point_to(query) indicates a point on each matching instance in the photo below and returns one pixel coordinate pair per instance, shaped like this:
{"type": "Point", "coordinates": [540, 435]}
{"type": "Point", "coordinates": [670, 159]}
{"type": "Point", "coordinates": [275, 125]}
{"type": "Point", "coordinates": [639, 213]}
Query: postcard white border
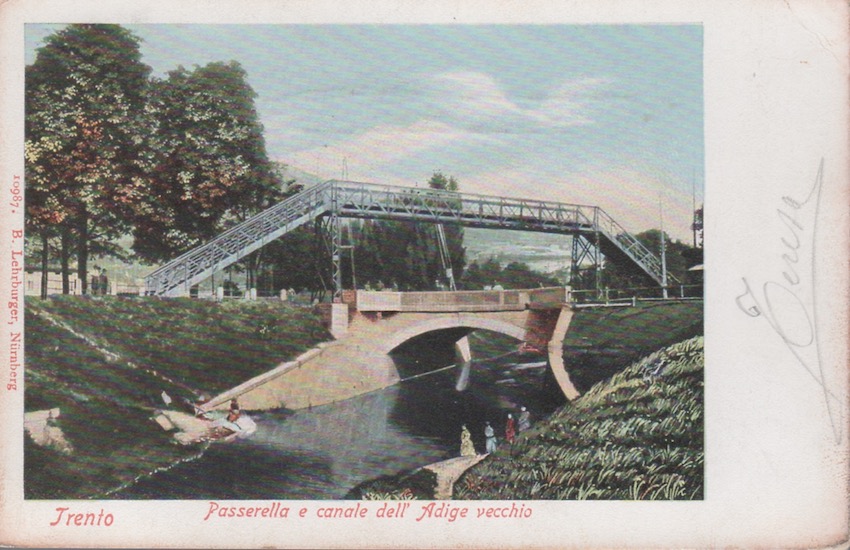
{"type": "Point", "coordinates": [776, 89]}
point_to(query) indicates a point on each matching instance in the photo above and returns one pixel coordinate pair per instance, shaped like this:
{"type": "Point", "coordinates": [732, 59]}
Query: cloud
{"type": "Point", "coordinates": [574, 101]}
{"type": "Point", "coordinates": [472, 95]}
{"type": "Point", "coordinates": [367, 153]}
{"type": "Point", "coordinates": [475, 100]}
{"type": "Point", "coordinates": [483, 138]}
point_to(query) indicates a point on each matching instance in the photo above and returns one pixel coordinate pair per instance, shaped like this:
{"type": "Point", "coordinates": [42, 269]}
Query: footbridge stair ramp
{"type": "Point", "coordinates": [337, 199]}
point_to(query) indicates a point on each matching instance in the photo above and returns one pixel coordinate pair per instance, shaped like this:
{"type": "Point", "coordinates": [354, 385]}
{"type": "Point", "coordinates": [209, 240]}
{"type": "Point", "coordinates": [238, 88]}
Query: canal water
{"type": "Point", "coordinates": [324, 452]}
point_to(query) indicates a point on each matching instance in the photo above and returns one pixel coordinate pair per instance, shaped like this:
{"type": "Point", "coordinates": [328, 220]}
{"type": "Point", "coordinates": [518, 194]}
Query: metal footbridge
{"type": "Point", "coordinates": [593, 230]}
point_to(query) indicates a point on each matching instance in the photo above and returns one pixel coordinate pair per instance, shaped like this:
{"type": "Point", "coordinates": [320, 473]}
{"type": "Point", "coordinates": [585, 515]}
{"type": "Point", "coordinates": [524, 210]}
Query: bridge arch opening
{"type": "Point", "coordinates": [456, 323]}
{"type": "Point", "coordinates": [441, 340]}
{"type": "Point", "coordinates": [501, 380]}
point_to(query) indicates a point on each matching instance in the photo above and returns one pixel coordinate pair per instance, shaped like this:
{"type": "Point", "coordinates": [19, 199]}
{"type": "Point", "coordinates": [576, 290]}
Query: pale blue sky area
{"type": "Point", "coordinates": [609, 115]}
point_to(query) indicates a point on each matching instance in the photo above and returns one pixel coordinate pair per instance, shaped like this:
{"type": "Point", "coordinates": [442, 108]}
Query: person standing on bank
{"type": "Point", "coordinates": [103, 283]}
{"type": "Point", "coordinates": [510, 429]}
{"type": "Point", "coordinates": [490, 436]}
{"type": "Point", "coordinates": [466, 446]}
{"type": "Point", "coordinates": [524, 420]}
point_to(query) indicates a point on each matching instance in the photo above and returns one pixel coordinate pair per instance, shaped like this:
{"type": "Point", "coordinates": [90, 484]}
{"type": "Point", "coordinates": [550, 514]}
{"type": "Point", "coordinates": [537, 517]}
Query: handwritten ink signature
{"type": "Point", "coordinates": [791, 315]}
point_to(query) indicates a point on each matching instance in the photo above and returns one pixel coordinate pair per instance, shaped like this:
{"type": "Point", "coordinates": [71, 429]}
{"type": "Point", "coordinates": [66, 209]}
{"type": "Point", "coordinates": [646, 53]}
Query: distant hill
{"type": "Point", "coordinates": [542, 252]}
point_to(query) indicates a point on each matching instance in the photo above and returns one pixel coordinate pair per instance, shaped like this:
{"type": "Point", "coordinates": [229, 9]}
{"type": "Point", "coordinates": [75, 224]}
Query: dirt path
{"type": "Point", "coordinates": [448, 471]}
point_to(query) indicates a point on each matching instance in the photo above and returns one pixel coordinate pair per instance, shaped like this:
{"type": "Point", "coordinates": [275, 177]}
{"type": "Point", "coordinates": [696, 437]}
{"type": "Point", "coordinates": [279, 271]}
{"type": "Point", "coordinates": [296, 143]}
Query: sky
{"type": "Point", "coordinates": [607, 115]}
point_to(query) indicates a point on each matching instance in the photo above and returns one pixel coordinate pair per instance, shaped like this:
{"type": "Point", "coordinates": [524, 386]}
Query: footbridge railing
{"type": "Point", "coordinates": [486, 211]}
{"type": "Point", "coordinates": [368, 200]}
{"type": "Point", "coordinates": [629, 245]}
{"type": "Point", "coordinates": [194, 266]}
{"type": "Point", "coordinates": [374, 201]}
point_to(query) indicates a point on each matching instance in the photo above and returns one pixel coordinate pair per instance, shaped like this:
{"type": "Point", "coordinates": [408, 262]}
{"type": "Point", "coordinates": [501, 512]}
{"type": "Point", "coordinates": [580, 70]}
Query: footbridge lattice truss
{"type": "Point", "coordinates": [345, 199]}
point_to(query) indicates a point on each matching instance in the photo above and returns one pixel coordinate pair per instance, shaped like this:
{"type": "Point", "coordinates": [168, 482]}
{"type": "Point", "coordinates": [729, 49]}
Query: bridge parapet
{"type": "Point", "coordinates": [462, 301]}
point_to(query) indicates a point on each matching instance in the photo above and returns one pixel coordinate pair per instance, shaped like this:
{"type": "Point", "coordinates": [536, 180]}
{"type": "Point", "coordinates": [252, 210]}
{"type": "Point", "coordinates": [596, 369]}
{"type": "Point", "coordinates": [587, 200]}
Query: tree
{"type": "Point", "coordinates": [520, 275]}
{"type": "Point", "coordinates": [264, 193]}
{"type": "Point", "coordinates": [84, 132]}
{"type": "Point", "coordinates": [697, 227]}
{"type": "Point", "coordinates": [288, 261]}
{"type": "Point", "coordinates": [210, 166]}
{"type": "Point", "coordinates": [440, 181]}
{"type": "Point", "coordinates": [513, 276]}
{"type": "Point", "coordinates": [401, 255]}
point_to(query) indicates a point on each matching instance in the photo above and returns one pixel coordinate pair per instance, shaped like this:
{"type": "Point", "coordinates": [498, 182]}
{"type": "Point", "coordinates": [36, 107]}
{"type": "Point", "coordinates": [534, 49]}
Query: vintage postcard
{"type": "Point", "coordinates": [463, 275]}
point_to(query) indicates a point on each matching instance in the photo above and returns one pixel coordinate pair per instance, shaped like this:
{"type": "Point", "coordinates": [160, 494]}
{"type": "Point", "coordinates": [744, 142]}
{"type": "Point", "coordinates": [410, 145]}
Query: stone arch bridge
{"type": "Point", "coordinates": [368, 326]}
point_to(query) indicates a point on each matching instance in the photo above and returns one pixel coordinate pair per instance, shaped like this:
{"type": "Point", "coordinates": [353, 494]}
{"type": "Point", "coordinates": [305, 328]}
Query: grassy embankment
{"type": "Point", "coordinates": [105, 362]}
{"type": "Point", "coordinates": [603, 341]}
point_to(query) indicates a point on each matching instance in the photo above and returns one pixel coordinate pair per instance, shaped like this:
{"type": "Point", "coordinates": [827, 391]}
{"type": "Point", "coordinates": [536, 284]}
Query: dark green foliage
{"type": "Point", "coordinates": [110, 152]}
{"type": "Point", "coordinates": [417, 485]}
{"type": "Point", "coordinates": [400, 255]}
{"type": "Point", "coordinates": [624, 275]}
{"type": "Point", "coordinates": [292, 262]}
{"type": "Point", "coordinates": [105, 361]}
{"type": "Point", "coordinates": [405, 255]}
{"type": "Point", "coordinates": [209, 163]}
{"type": "Point", "coordinates": [638, 435]}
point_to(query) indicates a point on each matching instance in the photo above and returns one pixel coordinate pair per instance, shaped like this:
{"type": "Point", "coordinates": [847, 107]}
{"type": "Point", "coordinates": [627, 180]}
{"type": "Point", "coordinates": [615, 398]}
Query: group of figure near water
{"type": "Point", "coordinates": [512, 427]}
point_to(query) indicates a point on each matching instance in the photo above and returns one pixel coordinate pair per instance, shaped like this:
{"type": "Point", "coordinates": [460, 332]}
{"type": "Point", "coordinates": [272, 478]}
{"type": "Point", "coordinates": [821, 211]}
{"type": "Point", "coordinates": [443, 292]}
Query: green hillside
{"type": "Point", "coordinates": [105, 362]}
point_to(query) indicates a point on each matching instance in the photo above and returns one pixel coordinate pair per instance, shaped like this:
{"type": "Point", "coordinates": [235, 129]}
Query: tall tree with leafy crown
{"type": "Point", "coordinates": [211, 169]}
{"type": "Point", "coordinates": [85, 122]}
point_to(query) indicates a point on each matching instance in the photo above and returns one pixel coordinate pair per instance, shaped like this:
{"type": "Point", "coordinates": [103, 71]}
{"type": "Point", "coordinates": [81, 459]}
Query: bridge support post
{"type": "Point", "coordinates": [464, 356]}
{"type": "Point", "coordinates": [555, 348]}
{"type": "Point", "coordinates": [336, 245]}
{"type": "Point", "coordinates": [328, 243]}
{"type": "Point", "coordinates": [585, 249]}
{"type": "Point", "coordinates": [339, 320]}
{"type": "Point", "coordinates": [462, 349]}
{"type": "Point", "coordinates": [336, 251]}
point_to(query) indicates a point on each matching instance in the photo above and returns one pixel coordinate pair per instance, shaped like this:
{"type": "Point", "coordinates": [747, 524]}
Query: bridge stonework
{"type": "Point", "coordinates": [358, 361]}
